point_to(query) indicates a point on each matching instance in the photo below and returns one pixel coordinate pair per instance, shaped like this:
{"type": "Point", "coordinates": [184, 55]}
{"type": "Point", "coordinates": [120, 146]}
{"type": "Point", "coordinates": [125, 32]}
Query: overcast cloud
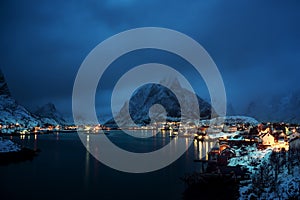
{"type": "Point", "coordinates": [255, 44]}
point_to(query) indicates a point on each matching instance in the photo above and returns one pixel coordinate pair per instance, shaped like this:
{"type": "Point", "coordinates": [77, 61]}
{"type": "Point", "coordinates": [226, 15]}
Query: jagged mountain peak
{"type": "Point", "coordinates": [10, 111]}
{"type": "Point", "coordinates": [145, 97]}
{"type": "Point", "coordinates": [49, 111]}
{"type": "Point", "coordinates": [171, 82]}
{"type": "Point", "coordinates": [47, 108]}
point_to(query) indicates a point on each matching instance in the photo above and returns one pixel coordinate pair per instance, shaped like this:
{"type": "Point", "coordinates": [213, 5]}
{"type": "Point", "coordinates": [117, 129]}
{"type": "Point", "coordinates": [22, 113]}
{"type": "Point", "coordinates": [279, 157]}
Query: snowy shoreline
{"type": "Point", "coordinates": [11, 152]}
{"type": "Point", "coordinates": [7, 145]}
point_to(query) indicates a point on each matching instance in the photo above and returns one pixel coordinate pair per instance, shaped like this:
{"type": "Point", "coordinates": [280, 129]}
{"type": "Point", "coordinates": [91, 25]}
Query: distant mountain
{"type": "Point", "coordinates": [285, 108]}
{"type": "Point", "coordinates": [10, 111]}
{"type": "Point", "coordinates": [150, 94]}
{"type": "Point", "coordinates": [231, 120]}
{"type": "Point", "coordinates": [49, 114]}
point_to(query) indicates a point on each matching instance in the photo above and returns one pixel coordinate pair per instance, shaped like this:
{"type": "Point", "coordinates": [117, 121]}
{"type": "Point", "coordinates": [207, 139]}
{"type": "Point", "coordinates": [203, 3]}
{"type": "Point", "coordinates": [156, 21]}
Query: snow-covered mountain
{"type": "Point", "coordinates": [231, 120]}
{"type": "Point", "coordinates": [151, 94]}
{"type": "Point", "coordinates": [10, 111]}
{"type": "Point", "coordinates": [284, 108]}
{"type": "Point", "coordinates": [49, 114]}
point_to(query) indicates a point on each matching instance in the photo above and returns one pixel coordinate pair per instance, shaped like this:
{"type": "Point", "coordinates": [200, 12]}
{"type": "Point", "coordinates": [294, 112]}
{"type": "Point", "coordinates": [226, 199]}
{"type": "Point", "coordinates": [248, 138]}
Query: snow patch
{"type": "Point", "coordinates": [8, 146]}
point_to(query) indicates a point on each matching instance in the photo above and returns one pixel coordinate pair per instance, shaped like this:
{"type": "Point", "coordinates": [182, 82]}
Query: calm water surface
{"type": "Point", "coordinates": [65, 170]}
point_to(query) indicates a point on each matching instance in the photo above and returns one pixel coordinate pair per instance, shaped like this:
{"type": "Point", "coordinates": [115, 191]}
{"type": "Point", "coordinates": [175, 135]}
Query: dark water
{"type": "Point", "coordinates": [65, 170]}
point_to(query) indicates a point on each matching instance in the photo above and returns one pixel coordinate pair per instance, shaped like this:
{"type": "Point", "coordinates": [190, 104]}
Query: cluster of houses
{"type": "Point", "coordinates": [278, 136]}
{"type": "Point", "coordinates": [19, 129]}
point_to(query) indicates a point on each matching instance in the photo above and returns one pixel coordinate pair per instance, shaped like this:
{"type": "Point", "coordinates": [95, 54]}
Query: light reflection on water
{"type": "Point", "coordinates": [87, 161]}
{"type": "Point", "coordinates": [57, 135]}
{"type": "Point", "coordinates": [65, 152]}
{"type": "Point", "coordinates": [141, 133]}
{"type": "Point", "coordinates": [158, 141]}
{"type": "Point", "coordinates": [35, 143]}
{"type": "Point", "coordinates": [201, 149]}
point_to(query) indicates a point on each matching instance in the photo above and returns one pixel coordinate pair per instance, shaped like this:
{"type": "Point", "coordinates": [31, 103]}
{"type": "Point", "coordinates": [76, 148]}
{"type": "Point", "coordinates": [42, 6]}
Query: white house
{"type": "Point", "coordinates": [268, 139]}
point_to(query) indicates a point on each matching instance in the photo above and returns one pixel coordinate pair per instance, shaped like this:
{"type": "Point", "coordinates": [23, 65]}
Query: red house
{"type": "Point", "coordinates": [225, 155]}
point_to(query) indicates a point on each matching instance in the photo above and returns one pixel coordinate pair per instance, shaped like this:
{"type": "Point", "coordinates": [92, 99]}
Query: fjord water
{"type": "Point", "coordinates": [64, 169]}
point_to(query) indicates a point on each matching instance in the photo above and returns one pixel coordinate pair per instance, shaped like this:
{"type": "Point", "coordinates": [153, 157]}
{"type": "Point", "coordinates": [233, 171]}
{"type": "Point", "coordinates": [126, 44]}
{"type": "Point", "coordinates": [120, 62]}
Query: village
{"type": "Point", "coordinates": [241, 149]}
{"type": "Point", "coordinates": [261, 160]}
{"type": "Point", "coordinates": [232, 139]}
{"type": "Point", "coordinates": [276, 136]}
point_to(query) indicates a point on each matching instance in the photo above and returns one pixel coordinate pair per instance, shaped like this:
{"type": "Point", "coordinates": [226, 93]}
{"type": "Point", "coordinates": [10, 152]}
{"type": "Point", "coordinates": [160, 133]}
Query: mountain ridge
{"type": "Point", "coordinates": [149, 95]}
{"type": "Point", "coordinates": [49, 114]}
{"type": "Point", "coordinates": [11, 112]}
{"type": "Point", "coordinates": [281, 107]}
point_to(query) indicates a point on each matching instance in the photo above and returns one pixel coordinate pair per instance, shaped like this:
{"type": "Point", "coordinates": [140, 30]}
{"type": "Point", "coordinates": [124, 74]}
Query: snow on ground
{"type": "Point", "coordinates": [222, 135]}
{"type": "Point", "coordinates": [251, 158]}
{"type": "Point", "coordinates": [231, 120]}
{"type": "Point", "coordinates": [8, 146]}
{"type": "Point", "coordinates": [252, 155]}
{"type": "Point", "coordinates": [288, 184]}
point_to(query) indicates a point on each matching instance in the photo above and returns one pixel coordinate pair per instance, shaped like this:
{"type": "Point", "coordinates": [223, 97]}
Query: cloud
{"type": "Point", "coordinates": [255, 44]}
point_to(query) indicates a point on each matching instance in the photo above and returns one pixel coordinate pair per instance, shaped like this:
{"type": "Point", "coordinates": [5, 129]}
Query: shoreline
{"type": "Point", "coordinates": [25, 154]}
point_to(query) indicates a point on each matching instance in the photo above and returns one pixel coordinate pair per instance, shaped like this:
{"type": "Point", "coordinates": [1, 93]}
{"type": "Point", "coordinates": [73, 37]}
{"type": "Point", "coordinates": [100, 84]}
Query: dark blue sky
{"type": "Point", "coordinates": [255, 44]}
